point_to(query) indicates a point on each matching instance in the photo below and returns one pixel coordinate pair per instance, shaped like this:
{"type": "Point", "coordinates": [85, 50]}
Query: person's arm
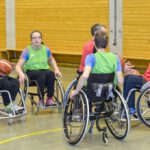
{"type": "Point", "coordinates": [119, 71]}
{"type": "Point", "coordinates": [81, 81]}
{"type": "Point", "coordinates": [120, 77]}
{"type": "Point", "coordinates": [89, 64]}
{"type": "Point", "coordinates": [53, 63]}
{"type": "Point", "coordinates": [19, 70]}
{"type": "Point", "coordinates": [19, 67]}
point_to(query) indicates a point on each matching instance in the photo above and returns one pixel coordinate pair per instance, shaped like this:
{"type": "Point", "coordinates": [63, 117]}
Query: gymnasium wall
{"type": "Point", "coordinates": [136, 29]}
{"type": "Point", "coordinates": [65, 24]}
{"type": "Point", "coordinates": [2, 24]}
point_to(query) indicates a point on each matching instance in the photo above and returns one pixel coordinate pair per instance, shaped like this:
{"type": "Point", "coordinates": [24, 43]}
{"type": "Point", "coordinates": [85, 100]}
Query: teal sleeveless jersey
{"type": "Point", "coordinates": [37, 59]}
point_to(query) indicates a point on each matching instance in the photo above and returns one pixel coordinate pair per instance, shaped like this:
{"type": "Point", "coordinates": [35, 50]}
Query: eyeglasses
{"type": "Point", "coordinates": [37, 37]}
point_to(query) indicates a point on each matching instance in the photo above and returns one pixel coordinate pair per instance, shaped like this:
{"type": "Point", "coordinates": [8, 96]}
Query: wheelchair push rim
{"type": "Point", "coordinates": [59, 94]}
{"type": "Point", "coordinates": [76, 117]}
{"type": "Point", "coordinates": [70, 87]}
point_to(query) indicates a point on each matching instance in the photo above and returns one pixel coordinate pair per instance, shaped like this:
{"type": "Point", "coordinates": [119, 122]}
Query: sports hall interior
{"type": "Point", "coordinates": [65, 26]}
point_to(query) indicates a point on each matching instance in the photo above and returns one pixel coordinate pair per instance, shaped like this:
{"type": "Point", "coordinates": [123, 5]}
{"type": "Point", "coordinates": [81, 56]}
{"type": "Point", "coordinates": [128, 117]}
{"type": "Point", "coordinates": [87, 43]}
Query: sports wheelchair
{"type": "Point", "coordinates": [11, 115]}
{"type": "Point", "coordinates": [99, 99]}
{"type": "Point", "coordinates": [58, 95]}
{"type": "Point", "coordinates": [143, 104]}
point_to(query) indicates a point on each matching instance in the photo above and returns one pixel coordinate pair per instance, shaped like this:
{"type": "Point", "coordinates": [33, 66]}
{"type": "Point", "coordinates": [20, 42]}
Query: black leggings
{"type": "Point", "coordinates": [10, 84]}
{"type": "Point", "coordinates": [45, 78]}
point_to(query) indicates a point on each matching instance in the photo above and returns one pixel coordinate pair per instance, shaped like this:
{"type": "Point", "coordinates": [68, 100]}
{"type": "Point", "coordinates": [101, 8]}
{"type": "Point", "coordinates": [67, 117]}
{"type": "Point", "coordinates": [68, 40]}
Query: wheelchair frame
{"type": "Point", "coordinates": [69, 116]}
{"type": "Point", "coordinates": [59, 89]}
{"type": "Point", "coordinates": [143, 101]}
{"type": "Point", "coordinates": [12, 115]}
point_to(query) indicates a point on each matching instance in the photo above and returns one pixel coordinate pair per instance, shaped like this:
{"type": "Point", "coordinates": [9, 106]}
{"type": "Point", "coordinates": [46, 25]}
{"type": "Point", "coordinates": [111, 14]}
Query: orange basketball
{"type": "Point", "coordinates": [5, 66]}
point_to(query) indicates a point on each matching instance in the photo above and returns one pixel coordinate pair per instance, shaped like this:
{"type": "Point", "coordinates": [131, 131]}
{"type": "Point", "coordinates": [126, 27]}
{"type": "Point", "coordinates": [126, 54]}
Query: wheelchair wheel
{"type": "Point", "coordinates": [143, 107]}
{"type": "Point", "coordinates": [59, 94]}
{"type": "Point", "coordinates": [118, 122]}
{"type": "Point", "coordinates": [21, 95]}
{"type": "Point", "coordinates": [76, 117]}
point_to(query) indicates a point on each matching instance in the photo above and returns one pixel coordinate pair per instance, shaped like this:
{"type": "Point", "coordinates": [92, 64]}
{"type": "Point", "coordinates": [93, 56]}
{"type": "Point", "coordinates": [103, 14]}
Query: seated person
{"type": "Point", "coordinates": [133, 79]}
{"type": "Point", "coordinates": [35, 60]}
{"type": "Point", "coordinates": [100, 62]}
{"type": "Point", "coordinates": [88, 48]}
{"type": "Point", "coordinates": [12, 86]}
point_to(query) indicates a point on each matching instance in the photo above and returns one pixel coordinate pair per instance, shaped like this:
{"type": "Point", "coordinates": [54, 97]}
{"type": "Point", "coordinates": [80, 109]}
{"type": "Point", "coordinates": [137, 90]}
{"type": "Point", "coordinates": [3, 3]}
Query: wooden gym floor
{"type": "Point", "coordinates": [44, 131]}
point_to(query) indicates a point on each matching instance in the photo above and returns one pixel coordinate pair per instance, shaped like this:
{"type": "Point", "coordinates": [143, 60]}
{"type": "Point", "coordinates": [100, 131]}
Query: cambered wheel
{"type": "Point", "coordinates": [143, 107]}
{"type": "Point", "coordinates": [118, 122]}
{"type": "Point", "coordinates": [76, 117]}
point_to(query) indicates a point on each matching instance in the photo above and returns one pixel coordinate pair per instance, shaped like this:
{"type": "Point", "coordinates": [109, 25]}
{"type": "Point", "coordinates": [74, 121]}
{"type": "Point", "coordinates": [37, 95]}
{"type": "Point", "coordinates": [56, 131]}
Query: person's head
{"type": "Point", "coordinates": [36, 38]}
{"type": "Point", "coordinates": [100, 40]}
{"type": "Point", "coordinates": [97, 27]}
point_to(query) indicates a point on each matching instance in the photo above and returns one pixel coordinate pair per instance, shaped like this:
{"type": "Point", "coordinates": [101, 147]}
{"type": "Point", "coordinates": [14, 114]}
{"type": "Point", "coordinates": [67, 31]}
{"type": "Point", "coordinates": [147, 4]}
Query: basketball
{"type": "Point", "coordinates": [5, 66]}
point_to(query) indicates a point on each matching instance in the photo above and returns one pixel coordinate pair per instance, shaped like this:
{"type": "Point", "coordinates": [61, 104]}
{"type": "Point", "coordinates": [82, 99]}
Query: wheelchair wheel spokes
{"type": "Point", "coordinates": [143, 107]}
{"type": "Point", "coordinates": [59, 94]}
{"type": "Point", "coordinates": [118, 123]}
{"type": "Point", "coordinates": [75, 120]}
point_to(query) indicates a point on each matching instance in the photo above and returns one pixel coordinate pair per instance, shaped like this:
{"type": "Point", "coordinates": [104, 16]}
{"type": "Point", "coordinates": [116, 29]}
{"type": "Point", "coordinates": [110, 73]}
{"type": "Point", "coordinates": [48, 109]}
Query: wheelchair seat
{"type": "Point", "coordinates": [100, 87]}
{"type": "Point", "coordinates": [32, 83]}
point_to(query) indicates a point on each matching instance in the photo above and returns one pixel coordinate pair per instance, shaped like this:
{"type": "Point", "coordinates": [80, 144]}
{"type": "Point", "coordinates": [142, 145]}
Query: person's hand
{"type": "Point", "coordinates": [58, 73]}
{"type": "Point", "coordinates": [128, 66]}
{"type": "Point", "coordinates": [129, 69]}
{"type": "Point", "coordinates": [132, 72]}
{"type": "Point", "coordinates": [22, 78]}
{"type": "Point", "coordinates": [73, 94]}
{"type": "Point", "coordinates": [135, 72]}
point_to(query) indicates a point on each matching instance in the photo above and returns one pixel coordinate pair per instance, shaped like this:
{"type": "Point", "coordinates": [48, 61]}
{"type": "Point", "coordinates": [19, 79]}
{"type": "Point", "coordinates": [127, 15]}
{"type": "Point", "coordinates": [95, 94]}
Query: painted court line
{"type": "Point", "coordinates": [30, 134]}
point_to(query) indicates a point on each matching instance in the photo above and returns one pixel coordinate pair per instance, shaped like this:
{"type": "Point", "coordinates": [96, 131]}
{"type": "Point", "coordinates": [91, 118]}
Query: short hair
{"type": "Point", "coordinates": [101, 39]}
{"type": "Point", "coordinates": [34, 32]}
{"type": "Point", "coordinates": [95, 28]}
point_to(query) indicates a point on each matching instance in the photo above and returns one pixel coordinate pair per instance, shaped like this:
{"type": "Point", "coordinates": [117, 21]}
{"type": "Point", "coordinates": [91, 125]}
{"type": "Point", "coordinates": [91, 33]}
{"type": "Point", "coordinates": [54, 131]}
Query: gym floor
{"type": "Point", "coordinates": [45, 131]}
